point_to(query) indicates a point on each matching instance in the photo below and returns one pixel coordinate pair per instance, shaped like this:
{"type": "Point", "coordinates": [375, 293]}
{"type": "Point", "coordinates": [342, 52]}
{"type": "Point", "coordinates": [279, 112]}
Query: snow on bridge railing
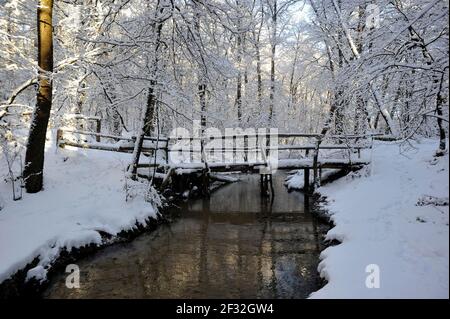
{"type": "Point", "coordinates": [165, 141]}
{"type": "Point", "coordinates": [123, 144]}
{"type": "Point", "coordinates": [244, 152]}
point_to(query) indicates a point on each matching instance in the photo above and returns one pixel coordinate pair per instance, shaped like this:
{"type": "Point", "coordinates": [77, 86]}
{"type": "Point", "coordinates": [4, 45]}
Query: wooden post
{"type": "Point", "coordinates": [59, 136]}
{"type": "Point", "coordinates": [191, 147]}
{"type": "Point", "coordinates": [261, 176]}
{"type": "Point", "coordinates": [179, 152]}
{"type": "Point", "coordinates": [306, 181]}
{"type": "Point", "coordinates": [271, 185]}
{"type": "Point", "coordinates": [202, 150]}
{"type": "Point", "coordinates": [166, 150]}
{"type": "Point", "coordinates": [246, 148]}
{"type": "Point", "coordinates": [257, 148]}
{"type": "Point", "coordinates": [315, 184]}
{"type": "Point", "coordinates": [266, 184]}
{"type": "Point", "coordinates": [315, 164]}
{"type": "Point", "coordinates": [212, 150]}
{"type": "Point", "coordinates": [205, 182]}
{"type": "Point", "coordinates": [234, 149]}
{"type": "Point", "coordinates": [166, 153]}
{"type": "Point", "coordinates": [98, 130]}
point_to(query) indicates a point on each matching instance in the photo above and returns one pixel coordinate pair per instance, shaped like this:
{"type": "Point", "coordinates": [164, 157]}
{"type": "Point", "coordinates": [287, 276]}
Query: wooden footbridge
{"type": "Point", "coordinates": [240, 152]}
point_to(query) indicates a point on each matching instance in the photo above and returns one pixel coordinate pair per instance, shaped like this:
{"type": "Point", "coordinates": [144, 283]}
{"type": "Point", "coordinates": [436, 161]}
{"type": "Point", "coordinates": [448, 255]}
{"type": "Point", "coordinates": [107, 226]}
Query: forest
{"type": "Point", "coordinates": [306, 66]}
{"type": "Point", "coordinates": [133, 71]}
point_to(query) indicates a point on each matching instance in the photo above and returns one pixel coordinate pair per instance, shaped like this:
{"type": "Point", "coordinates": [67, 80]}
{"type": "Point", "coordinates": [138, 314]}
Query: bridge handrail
{"type": "Point", "coordinates": [280, 147]}
{"type": "Point", "coordinates": [190, 138]}
{"type": "Point", "coordinates": [280, 135]}
{"type": "Point", "coordinates": [123, 138]}
{"type": "Point", "coordinates": [264, 149]}
{"type": "Point", "coordinates": [354, 135]}
{"type": "Point", "coordinates": [209, 137]}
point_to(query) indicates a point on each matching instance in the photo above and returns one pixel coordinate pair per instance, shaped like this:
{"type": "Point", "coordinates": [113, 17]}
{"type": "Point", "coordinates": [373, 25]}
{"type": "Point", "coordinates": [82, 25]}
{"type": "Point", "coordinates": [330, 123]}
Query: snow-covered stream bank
{"type": "Point", "coordinates": [84, 195]}
{"type": "Point", "coordinates": [383, 216]}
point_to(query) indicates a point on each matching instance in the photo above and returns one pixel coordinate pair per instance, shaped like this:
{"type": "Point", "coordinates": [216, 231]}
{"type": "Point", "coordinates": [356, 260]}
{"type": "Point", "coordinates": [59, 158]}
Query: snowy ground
{"type": "Point", "coordinates": [382, 217]}
{"type": "Point", "coordinates": [296, 180]}
{"type": "Point", "coordinates": [83, 195]}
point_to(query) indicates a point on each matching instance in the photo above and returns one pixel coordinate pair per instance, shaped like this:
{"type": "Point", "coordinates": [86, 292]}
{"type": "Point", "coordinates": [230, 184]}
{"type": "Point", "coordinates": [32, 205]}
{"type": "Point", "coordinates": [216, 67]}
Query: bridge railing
{"type": "Point", "coordinates": [199, 144]}
{"type": "Point", "coordinates": [122, 144]}
{"type": "Point", "coordinates": [241, 148]}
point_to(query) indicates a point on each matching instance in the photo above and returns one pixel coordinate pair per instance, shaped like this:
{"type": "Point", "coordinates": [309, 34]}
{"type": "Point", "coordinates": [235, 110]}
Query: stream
{"type": "Point", "coordinates": [234, 244]}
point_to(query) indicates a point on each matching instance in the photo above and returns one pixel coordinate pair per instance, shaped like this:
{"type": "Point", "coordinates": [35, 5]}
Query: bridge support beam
{"type": "Point", "coordinates": [265, 183]}
{"type": "Point", "coordinates": [315, 178]}
{"type": "Point", "coordinates": [306, 182]}
{"type": "Point", "coordinates": [205, 182]}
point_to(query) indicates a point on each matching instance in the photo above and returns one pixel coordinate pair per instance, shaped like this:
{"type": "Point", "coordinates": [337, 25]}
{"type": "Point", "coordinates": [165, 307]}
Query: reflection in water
{"type": "Point", "coordinates": [233, 245]}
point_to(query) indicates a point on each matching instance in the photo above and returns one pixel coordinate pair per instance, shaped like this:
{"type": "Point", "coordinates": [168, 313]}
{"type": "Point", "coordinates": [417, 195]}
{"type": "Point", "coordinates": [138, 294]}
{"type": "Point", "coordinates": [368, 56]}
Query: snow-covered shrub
{"type": "Point", "coordinates": [11, 158]}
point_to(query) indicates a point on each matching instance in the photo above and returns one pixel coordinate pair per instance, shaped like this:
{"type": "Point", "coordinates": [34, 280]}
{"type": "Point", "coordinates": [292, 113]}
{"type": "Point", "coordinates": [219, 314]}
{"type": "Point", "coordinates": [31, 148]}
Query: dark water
{"type": "Point", "coordinates": [233, 245]}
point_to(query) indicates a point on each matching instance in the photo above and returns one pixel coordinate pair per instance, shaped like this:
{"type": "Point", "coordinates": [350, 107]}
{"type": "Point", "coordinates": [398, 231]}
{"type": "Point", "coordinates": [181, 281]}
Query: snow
{"type": "Point", "coordinates": [296, 179]}
{"type": "Point", "coordinates": [381, 218]}
{"type": "Point", "coordinates": [393, 213]}
{"type": "Point", "coordinates": [83, 194]}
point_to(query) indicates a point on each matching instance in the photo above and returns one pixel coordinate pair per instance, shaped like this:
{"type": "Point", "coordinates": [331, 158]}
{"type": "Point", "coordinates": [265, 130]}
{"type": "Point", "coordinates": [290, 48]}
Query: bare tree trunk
{"type": "Point", "coordinates": [338, 95]}
{"type": "Point", "coordinates": [34, 157]}
{"type": "Point", "coordinates": [272, 61]}
{"type": "Point", "coordinates": [339, 92]}
{"type": "Point", "coordinates": [202, 77]}
{"type": "Point", "coordinates": [259, 76]}
{"type": "Point", "coordinates": [3, 62]}
{"type": "Point", "coordinates": [111, 94]}
{"type": "Point", "coordinates": [202, 98]}
{"type": "Point", "coordinates": [360, 109]}
{"type": "Point", "coordinates": [238, 101]}
{"type": "Point", "coordinates": [384, 113]}
{"type": "Point", "coordinates": [258, 60]}
{"type": "Point", "coordinates": [439, 102]}
{"type": "Point", "coordinates": [145, 128]}
{"type": "Point", "coordinates": [149, 123]}
{"type": "Point", "coordinates": [239, 81]}
{"type": "Point", "coordinates": [147, 118]}
{"type": "Point", "coordinates": [292, 85]}
{"type": "Point", "coordinates": [81, 97]}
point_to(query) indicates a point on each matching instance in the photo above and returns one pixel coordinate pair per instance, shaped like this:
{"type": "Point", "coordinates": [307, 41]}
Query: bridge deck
{"type": "Point", "coordinates": [288, 164]}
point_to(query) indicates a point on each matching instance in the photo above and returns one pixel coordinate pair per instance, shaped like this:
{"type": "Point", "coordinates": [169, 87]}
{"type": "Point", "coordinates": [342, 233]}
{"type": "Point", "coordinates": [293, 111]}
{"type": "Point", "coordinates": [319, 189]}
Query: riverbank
{"type": "Point", "coordinates": [83, 206]}
{"type": "Point", "coordinates": [391, 218]}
